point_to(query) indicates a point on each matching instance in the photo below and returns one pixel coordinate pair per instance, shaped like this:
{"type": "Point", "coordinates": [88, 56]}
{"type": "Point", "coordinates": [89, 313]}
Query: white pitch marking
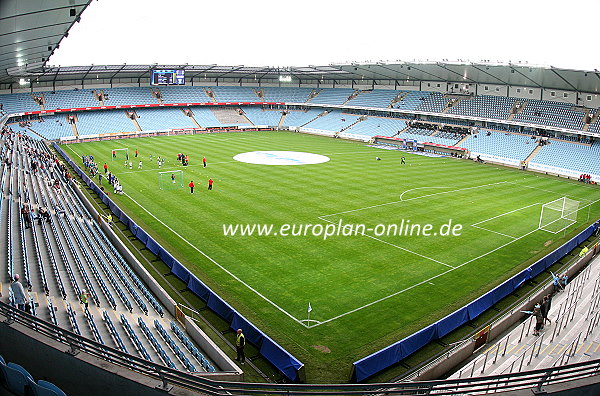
{"type": "Point", "coordinates": [410, 199]}
{"type": "Point", "coordinates": [495, 232]}
{"type": "Point", "coordinates": [503, 214]}
{"type": "Point", "coordinates": [217, 264]}
{"type": "Point", "coordinates": [396, 246]}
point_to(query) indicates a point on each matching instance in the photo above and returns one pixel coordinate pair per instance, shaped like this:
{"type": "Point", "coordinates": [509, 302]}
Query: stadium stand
{"type": "Point", "coordinates": [411, 100]}
{"type": "Point", "coordinates": [433, 102]}
{"type": "Point", "coordinates": [163, 118]}
{"type": "Point", "coordinates": [571, 336]}
{"type": "Point", "coordinates": [291, 95]}
{"type": "Point", "coordinates": [551, 113]}
{"type": "Point", "coordinates": [235, 94]}
{"type": "Point", "coordinates": [496, 144]}
{"type": "Point", "coordinates": [299, 117]}
{"type": "Point", "coordinates": [127, 96]}
{"type": "Point", "coordinates": [577, 157]}
{"type": "Point", "coordinates": [260, 116]}
{"type": "Point", "coordinates": [334, 121]}
{"type": "Point", "coordinates": [18, 102]}
{"type": "Point", "coordinates": [184, 94]}
{"type": "Point", "coordinates": [69, 99]}
{"type": "Point", "coordinates": [52, 127]}
{"type": "Point", "coordinates": [205, 117]}
{"type": "Point", "coordinates": [427, 136]}
{"type": "Point", "coordinates": [67, 254]}
{"type": "Point", "coordinates": [332, 96]}
{"type": "Point", "coordinates": [373, 126]}
{"type": "Point", "coordinates": [17, 380]}
{"type": "Point", "coordinates": [374, 98]}
{"type": "Point", "coordinates": [498, 107]}
{"type": "Point", "coordinates": [108, 121]}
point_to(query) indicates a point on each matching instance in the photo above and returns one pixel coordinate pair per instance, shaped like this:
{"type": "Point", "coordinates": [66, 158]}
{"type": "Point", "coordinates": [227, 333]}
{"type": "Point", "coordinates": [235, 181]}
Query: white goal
{"type": "Point", "coordinates": [558, 215]}
{"type": "Point", "coordinates": [170, 180]}
{"type": "Point", "coordinates": [120, 154]}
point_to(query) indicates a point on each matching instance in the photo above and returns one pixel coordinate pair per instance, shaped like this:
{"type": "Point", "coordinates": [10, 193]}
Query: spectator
{"type": "Point", "coordinates": [539, 320]}
{"type": "Point", "coordinates": [20, 298]}
{"type": "Point", "coordinates": [545, 308]}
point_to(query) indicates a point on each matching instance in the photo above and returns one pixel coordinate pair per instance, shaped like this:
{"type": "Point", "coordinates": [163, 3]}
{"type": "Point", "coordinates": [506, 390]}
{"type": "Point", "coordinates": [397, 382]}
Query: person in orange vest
{"type": "Point", "coordinates": [191, 186]}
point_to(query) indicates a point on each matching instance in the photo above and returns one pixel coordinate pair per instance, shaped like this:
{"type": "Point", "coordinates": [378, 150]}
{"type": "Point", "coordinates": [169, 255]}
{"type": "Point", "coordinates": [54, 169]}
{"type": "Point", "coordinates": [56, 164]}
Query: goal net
{"type": "Point", "coordinates": [558, 215]}
{"type": "Point", "coordinates": [170, 180]}
{"type": "Point", "coordinates": [120, 154]}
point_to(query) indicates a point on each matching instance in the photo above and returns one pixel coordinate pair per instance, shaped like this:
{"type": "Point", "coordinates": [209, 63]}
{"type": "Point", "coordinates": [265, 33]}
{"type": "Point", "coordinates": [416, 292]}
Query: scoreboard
{"type": "Point", "coordinates": [167, 77]}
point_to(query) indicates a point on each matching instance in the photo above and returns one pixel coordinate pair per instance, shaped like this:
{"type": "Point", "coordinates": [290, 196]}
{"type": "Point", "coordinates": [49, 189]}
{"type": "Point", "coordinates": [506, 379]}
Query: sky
{"type": "Point", "coordinates": [320, 32]}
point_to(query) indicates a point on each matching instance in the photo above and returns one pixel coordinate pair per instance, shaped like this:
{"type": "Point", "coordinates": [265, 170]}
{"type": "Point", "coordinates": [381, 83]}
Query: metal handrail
{"type": "Point", "coordinates": [503, 382]}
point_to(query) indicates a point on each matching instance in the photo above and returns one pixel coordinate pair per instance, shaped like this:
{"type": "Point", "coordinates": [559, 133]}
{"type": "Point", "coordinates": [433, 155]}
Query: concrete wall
{"type": "Point", "coordinates": [492, 90]}
{"type": "Point", "coordinates": [434, 86]}
{"type": "Point", "coordinates": [525, 92]}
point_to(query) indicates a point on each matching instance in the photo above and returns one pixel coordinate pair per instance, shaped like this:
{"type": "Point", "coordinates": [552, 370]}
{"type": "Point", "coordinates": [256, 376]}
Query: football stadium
{"type": "Point", "coordinates": [401, 227]}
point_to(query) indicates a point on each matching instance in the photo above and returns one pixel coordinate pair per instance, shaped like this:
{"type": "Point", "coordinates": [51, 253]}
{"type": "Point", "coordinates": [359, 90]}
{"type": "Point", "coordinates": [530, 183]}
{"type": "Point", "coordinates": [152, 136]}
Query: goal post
{"type": "Point", "coordinates": [120, 154]}
{"type": "Point", "coordinates": [170, 180]}
{"type": "Point", "coordinates": [558, 215]}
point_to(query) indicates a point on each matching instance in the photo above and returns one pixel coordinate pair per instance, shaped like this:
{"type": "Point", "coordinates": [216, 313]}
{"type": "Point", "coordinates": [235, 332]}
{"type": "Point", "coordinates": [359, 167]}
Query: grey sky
{"type": "Point", "coordinates": [310, 32]}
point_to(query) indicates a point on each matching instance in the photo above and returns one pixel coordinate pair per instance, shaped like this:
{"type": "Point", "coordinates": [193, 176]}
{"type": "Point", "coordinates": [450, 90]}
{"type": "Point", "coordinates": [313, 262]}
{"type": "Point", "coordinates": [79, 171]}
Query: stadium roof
{"type": "Point", "coordinates": [30, 31]}
{"type": "Point", "coordinates": [401, 72]}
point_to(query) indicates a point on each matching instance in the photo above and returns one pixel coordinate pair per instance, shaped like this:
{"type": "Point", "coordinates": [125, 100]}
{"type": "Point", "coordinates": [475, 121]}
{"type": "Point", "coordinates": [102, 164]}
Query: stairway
{"type": "Point", "coordinates": [451, 103]}
{"type": "Point", "coordinates": [572, 336]}
{"type": "Point", "coordinates": [281, 120]}
{"type": "Point", "coordinates": [158, 98]}
{"type": "Point", "coordinates": [461, 141]}
{"type": "Point", "coordinates": [207, 92]}
{"type": "Point", "coordinates": [516, 110]}
{"type": "Point", "coordinates": [320, 115]}
{"type": "Point", "coordinates": [362, 118]}
{"type": "Point", "coordinates": [352, 96]}
{"type": "Point", "coordinates": [74, 125]}
{"type": "Point", "coordinates": [533, 154]}
{"type": "Point", "coordinates": [134, 120]}
{"type": "Point", "coordinates": [313, 94]}
{"type": "Point", "coordinates": [191, 115]}
{"type": "Point", "coordinates": [397, 99]}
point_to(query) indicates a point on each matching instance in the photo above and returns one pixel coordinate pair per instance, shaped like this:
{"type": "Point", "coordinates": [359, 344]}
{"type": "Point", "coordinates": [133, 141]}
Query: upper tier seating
{"type": "Point", "coordinates": [434, 102]}
{"type": "Point", "coordinates": [18, 102]}
{"type": "Point", "coordinates": [290, 95]}
{"type": "Point", "coordinates": [235, 94]}
{"type": "Point", "coordinates": [411, 100]}
{"type": "Point", "coordinates": [580, 158]}
{"type": "Point", "coordinates": [332, 96]}
{"type": "Point", "coordinates": [502, 145]}
{"type": "Point", "coordinates": [381, 98]}
{"type": "Point", "coordinates": [205, 117]}
{"type": "Point", "coordinates": [69, 99]}
{"type": "Point", "coordinates": [53, 127]}
{"type": "Point", "coordinates": [163, 118]}
{"type": "Point", "coordinates": [127, 96]}
{"type": "Point", "coordinates": [184, 94]}
{"type": "Point", "coordinates": [498, 107]}
{"type": "Point", "coordinates": [551, 113]}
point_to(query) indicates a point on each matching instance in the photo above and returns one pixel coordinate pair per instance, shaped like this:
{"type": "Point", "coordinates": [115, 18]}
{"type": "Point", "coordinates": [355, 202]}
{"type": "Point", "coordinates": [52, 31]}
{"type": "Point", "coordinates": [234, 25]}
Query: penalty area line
{"type": "Point", "coordinates": [217, 264]}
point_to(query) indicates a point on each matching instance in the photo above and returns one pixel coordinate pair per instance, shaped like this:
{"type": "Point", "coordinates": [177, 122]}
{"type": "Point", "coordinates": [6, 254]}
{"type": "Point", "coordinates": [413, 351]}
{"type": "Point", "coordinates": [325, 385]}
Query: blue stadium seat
{"type": "Point", "coordinates": [16, 378]}
{"type": "Point", "coordinates": [45, 388]}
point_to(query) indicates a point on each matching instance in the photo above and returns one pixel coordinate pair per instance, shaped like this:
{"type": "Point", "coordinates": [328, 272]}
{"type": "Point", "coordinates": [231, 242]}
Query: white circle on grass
{"type": "Point", "coordinates": [280, 158]}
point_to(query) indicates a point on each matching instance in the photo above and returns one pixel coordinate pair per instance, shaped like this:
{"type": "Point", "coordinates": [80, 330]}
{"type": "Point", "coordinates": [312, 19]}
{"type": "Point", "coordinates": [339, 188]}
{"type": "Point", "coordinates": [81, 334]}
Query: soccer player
{"type": "Point", "coordinates": [191, 186]}
{"type": "Point", "coordinates": [402, 161]}
{"type": "Point", "coordinates": [140, 165]}
{"type": "Point", "coordinates": [105, 168]}
{"type": "Point", "coordinates": [136, 153]}
{"type": "Point", "coordinates": [158, 162]}
{"type": "Point", "coordinates": [130, 165]}
{"type": "Point", "coordinates": [210, 183]}
{"type": "Point", "coordinates": [204, 161]}
{"type": "Point", "coordinates": [173, 178]}
{"type": "Point", "coordinates": [125, 164]}
{"type": "Point", "coordinates": [114, 154]}
{"type": "Point", "coordinates": [150, 157]}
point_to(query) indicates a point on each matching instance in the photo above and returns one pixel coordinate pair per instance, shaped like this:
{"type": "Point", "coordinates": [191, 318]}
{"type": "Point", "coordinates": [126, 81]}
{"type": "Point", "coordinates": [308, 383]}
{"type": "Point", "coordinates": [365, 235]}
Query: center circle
{"type": "Point", "coordinates": [280, 158]}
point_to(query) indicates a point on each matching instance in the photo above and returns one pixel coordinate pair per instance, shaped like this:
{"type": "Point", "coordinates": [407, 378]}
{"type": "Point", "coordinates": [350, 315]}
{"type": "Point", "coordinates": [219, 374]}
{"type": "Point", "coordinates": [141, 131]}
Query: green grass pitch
{"type": "Point", "coordinates": [366, 292]}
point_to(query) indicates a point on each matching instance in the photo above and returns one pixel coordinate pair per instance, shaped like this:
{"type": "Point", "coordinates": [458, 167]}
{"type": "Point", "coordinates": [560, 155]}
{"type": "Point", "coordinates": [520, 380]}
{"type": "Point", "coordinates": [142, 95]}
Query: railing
{"type": "Point", "coordinates": [513, 381]}
{"type": "Point", "coordinates": [582, 277]}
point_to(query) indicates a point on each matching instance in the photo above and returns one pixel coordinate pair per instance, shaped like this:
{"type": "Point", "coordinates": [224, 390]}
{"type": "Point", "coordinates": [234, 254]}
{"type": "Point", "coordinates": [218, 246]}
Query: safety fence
{"type": "Point", "coordinates": [392, 354]}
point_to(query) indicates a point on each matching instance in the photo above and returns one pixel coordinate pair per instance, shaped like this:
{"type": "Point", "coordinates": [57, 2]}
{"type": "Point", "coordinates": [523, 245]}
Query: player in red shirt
{"type": "Point", "coordinates": [105, 168]}
{"type": "Point", "coordinates": [136, 152]}
{"type": "Point", "coordinates": [204, 161]}
{"type": "Point", "coordinates": [191, 186]}
{"type": "Point", "coordinates": [210, 183]}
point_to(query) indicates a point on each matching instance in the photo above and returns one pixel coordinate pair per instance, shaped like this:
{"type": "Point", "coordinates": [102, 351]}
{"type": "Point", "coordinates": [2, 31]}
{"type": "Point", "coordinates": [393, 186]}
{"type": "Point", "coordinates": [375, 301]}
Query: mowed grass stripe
{"type": "Point", "coordinates": [339, 274]}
